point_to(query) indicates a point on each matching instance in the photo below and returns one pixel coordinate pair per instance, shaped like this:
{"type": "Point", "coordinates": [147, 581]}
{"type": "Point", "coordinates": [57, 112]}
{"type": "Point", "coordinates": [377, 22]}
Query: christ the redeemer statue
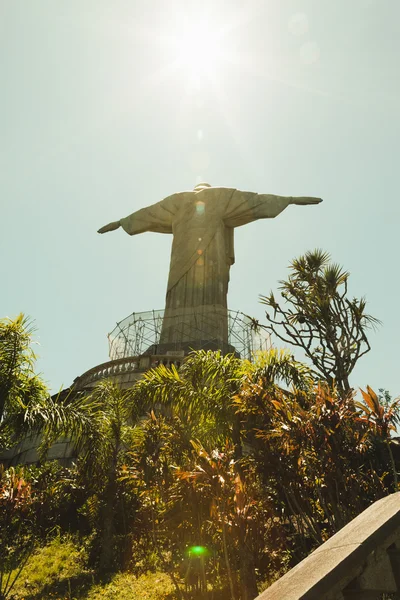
{"type": "Point", "coordinates": [202, 223]}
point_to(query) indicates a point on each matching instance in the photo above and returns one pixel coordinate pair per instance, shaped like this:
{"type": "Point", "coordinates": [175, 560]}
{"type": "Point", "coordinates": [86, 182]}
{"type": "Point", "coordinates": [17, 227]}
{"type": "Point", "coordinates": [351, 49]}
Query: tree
{"type": "Point", "coordinates": [234, 509]}
{"type": "Point", "coordinates": [159, 444]}
{"type": "Point", "coordinates": [104, 454]}
{"type": "Point", "coordinates": [19, 385]}
{"type": "Point", "coordinates": [202, 392]}
{"type": "Point", "coordinates": [315, 455]}
{"type": "Point", "coordinates": [381, 415]}
{"type": "Point", "coordinates": [319, 318]}
{"type": "Point", "coordinates": [100, 425]}
{"type": "Point", "coordinates": [18, 522]}
{"type": "Point", "coordinates": [211, 485]}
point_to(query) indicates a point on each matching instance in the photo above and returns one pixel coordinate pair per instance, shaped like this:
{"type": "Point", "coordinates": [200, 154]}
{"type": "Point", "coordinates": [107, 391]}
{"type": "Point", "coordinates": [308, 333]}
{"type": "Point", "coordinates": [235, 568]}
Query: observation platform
{"type": "Point", "coordinates": [134, 347]}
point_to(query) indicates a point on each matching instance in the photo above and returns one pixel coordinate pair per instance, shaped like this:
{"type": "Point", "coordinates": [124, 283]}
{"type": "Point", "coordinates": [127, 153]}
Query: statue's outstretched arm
{"type": "Point", "coordinates": [109, 227]}
{"type": "Point", "coordinates": [303, 200]}
{"type": "Point", "coordinates": [157, 217]}
{"type": "Point", "coordinates": [245, 207]}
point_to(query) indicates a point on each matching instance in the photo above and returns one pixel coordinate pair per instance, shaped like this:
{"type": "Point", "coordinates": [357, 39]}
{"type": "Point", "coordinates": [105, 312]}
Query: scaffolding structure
{"type": "Point", "coordinates": [140, 332]}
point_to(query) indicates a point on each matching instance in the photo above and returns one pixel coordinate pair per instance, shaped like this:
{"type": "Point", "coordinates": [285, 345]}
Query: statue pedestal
{"type": "Point", "coordinates": [194, 326]}
{"type": "Point", "coordinates": [169, 348]}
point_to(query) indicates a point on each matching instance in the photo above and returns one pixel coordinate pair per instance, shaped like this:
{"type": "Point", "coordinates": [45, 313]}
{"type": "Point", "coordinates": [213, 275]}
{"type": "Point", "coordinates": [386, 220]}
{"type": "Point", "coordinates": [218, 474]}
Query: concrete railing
{"type": "Point", "coordinates": [360, 562]}
{"type": "Point", "coordinates": [124, 370]}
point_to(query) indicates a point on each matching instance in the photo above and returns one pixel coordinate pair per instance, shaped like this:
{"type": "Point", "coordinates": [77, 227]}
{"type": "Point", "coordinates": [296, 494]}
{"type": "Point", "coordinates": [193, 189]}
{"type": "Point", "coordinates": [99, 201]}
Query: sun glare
{"type": "Point", "coordinates": [199, 51]}
{"type": "Point", "coordinates": [203, 44]}
{"type": "Point", "coordinates": [199, 46]}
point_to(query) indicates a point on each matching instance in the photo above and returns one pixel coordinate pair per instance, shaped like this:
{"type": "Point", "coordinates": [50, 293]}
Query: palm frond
{"type": "Point", "coordinates": [279, 364]}
{"type": "Point", "coordinates": [334, 276]}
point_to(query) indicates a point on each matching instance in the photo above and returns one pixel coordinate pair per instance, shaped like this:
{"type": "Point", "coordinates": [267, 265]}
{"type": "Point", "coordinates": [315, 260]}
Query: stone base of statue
{"type": "Point", "coordinates": [169, 349]}
{"type": "Point", "coordinates": [191, 326]}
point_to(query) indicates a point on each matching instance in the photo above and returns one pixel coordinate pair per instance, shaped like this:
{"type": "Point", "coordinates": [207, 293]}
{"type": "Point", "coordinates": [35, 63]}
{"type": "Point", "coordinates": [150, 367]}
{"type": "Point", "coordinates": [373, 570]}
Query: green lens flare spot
{"type": "Point", "coordinates": [198, 551]}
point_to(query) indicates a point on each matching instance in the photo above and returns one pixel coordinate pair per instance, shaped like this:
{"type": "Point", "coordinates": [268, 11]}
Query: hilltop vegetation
{"type": "Point", "coordinates": [211, 480]}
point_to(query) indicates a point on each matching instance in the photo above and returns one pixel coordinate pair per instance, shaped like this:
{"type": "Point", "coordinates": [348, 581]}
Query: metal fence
{"type": "Point", "coordinates": [134, 335]}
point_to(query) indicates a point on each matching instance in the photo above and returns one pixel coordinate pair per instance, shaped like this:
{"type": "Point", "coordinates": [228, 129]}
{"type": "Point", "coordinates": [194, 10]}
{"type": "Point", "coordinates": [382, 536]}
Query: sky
{"type": "Point", "coordinates": [107, 107]}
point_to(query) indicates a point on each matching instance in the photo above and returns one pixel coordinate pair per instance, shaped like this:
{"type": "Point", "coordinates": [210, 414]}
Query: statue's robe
{"type": "Point", "coordinates": [202, 224]}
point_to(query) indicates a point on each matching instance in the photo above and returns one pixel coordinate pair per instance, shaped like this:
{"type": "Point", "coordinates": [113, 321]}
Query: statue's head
{"type": "Point", "coordinates": [201, 186]}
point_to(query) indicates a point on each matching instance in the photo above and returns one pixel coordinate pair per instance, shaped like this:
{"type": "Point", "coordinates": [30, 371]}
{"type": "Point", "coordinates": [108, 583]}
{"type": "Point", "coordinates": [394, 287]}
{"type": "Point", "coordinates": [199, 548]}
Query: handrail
{"type": "Point", "coordinates": [361, 561]}
{"type": "Point", "coordinates": [123, 366]}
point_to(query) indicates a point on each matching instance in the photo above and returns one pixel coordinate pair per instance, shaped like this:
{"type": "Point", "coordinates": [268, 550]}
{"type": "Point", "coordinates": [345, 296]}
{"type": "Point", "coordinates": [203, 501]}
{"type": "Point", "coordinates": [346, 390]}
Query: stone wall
{"type": "Point", "coordinates": [360, 562]}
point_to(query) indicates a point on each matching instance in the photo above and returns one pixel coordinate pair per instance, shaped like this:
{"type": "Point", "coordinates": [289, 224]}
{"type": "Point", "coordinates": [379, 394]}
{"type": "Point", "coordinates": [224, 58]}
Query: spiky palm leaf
{"type": "Point", "coordinates": [200, 393]}
{"type": "Point", "coordinates": [18, 382]}
{"type": "Point", "coordinates": [278, 365]}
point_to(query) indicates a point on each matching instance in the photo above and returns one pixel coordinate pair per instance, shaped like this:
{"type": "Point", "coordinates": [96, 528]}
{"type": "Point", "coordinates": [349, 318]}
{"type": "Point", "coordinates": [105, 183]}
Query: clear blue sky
{"type": "Point", "coordinates": [108, 106]}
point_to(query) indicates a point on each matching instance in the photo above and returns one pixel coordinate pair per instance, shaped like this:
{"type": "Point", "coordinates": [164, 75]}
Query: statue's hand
{"type": "Point", "coordinates": [303, 200]}
{"type": "Point", "coordinates": [109, 227]}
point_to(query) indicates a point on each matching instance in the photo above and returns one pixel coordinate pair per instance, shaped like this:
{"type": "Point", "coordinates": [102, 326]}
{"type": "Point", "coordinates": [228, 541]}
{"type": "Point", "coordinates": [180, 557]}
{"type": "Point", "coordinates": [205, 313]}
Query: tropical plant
{"type": "Point", "coordinates": [318, 317]}
{"type": "Point", "coordinates": [381, 416]}
{"type": "Point", "coordinates": [231, 512]}
{"type": "Point", "coordinates": [201, 393]}
{"type": "Point", "coordinates": [314, 454]}
{"type": "Point", "coordinates": [19, 385]}
{"type": "Point", "coordinates": [17, 527]}
{"type": "Point", "coordinates": [160, 443]}
{"type": "Point", "coordinates": [220, 473]}
{"type": "Point", "coordinates": [187, 480]}
{"type": "Point", "coordinates": [99, 424]}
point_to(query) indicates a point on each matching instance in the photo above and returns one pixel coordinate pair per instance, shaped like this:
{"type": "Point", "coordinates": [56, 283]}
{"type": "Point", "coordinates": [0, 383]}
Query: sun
{"type": "Point", "coordinates": [200, 50]}
{"type": "Point", "coordinates": [198, 47]}
{"type": "Point", "coordinates": [199, 44]}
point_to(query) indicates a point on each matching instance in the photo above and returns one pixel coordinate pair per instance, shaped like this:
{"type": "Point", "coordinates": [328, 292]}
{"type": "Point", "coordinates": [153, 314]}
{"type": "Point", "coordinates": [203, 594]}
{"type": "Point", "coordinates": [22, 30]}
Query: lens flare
{"type": "Point", "coordinates": [197, 551]}
{"type": "Point", "coordinates": [200, 207]}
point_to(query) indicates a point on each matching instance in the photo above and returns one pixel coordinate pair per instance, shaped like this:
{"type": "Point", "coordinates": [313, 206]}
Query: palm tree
{"type": "Point", "coordinates": [101, 454]}
{"type": "Point", "coordinates": [100, 425]}
{"type": "Point", "coordinates": [203, 392]}
{"type": "Point", "coordinates": [199, 392]}
{"type": "Point", "coordinates": [19, 385]}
